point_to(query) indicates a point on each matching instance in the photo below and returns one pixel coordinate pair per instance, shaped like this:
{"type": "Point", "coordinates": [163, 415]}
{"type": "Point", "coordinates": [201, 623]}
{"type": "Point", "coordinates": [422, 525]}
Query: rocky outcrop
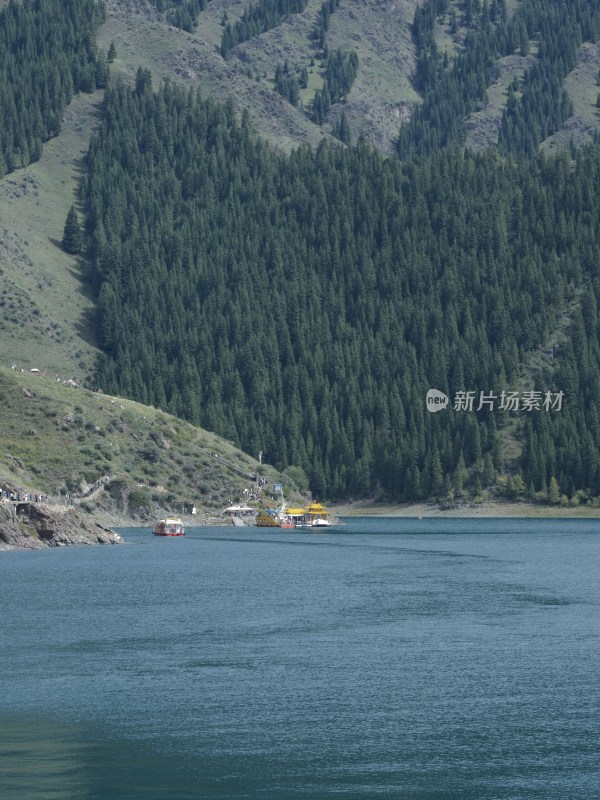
{"type": "Point", "coordinates": [31, 526]}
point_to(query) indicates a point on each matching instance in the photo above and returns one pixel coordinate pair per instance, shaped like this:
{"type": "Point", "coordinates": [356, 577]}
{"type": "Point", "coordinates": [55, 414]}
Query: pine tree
{"type": "Point", "coordinates": [437, 475]}
{"type": "Point", "coordinates": [72, 240]}
{"type": "Point", "coordinates": [342, 130]}
{"type": "Point", "coordinates": [460, 474]}
{"type": "Point", "coordinates": [553, 492]}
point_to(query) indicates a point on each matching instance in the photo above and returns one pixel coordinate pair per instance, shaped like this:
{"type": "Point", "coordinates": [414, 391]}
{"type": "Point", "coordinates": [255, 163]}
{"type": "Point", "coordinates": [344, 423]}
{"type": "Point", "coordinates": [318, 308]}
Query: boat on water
{"type": "Point", "coordinates": [169, 527]}
{"type": "Point", "coordinates": [268, 518]}
{"type": "Point", "coordinates": [291, 517]}
{"type": "Point", "coordinates": [315, 516]}
{"type": "Point", "coordinates": [280, 517]}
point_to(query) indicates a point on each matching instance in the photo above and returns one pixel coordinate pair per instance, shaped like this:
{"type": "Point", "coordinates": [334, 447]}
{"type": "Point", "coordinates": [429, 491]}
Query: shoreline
{"type": "Point", "coordinates": [68, 527]}
{"type": "Point", "coordinates": [487, 509]}
{"type": "Point", "coordinates": [365, 509]}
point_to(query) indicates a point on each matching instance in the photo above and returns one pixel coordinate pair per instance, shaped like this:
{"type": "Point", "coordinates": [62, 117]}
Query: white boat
{"type": "Point", "coordinates": [315, 516]}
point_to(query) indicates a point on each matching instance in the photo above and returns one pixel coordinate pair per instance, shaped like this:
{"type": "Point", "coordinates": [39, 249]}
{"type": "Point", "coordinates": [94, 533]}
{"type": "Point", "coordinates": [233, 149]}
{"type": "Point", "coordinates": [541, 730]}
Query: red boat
{"type": "Point", "coordinates": [169, 527]}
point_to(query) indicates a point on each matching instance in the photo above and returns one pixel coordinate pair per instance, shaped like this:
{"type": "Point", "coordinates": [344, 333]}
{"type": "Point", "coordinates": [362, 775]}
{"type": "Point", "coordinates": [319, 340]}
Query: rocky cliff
{"type": "Point", "coordinates": [31, 526]}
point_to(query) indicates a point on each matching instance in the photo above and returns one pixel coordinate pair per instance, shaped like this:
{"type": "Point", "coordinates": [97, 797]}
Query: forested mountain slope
{"type": "Point", "coordinates": [303, 305]}
{"type": "Point", "coordinates": [302, 300]}
{"type": "Point", "coordinates": [537, 103]}
{"type": "Point", "coordinates": [457, 59]}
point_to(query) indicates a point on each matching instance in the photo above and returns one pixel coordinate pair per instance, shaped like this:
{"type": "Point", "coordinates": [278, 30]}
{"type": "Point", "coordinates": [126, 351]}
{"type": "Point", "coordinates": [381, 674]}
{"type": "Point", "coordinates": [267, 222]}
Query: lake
{"type": "Point", "coordinates": [414, 659]}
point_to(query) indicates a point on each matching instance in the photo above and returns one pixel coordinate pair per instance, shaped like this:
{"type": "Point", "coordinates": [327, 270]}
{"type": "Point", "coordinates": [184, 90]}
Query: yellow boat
{"type": "Point", "coordinates": [267, 518]}
{"type": "Point", "coordinates": [314, 516]}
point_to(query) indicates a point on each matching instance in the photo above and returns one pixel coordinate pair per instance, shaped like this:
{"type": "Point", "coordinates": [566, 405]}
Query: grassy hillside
{"type": "Point", "coordinates": [45, 311]}
{"type": "Point", "coordinates": [59, 439]}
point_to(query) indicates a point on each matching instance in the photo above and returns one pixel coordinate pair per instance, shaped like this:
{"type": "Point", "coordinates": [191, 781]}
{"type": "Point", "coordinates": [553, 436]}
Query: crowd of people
{"type": "Point", "coordinates": [17, 496]}
{"type": "Point", "coordinates": [22, 497]}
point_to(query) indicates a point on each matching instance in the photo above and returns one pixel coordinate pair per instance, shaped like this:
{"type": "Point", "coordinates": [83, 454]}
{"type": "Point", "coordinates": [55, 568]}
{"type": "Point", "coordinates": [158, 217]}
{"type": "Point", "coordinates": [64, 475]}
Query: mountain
{"type": "Point", "coordinates": [371, 255]}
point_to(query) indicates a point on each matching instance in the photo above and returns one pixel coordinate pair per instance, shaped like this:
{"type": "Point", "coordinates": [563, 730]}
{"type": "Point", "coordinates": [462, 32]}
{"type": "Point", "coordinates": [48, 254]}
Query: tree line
{"type": "Point", "coordinates": [323, 19]}
{"type": "Point", "coordinates": [184, 14]}
{"type": "Point", "coordinates": [341, 67]}
{"type": "Point", "coordinates": [544, 103]}
{"type": "Point", "coordinates": [288, 84]}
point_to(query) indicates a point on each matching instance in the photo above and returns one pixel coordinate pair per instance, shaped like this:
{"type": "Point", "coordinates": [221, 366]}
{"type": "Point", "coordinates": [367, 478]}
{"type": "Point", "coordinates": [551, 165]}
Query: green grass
{"type": "Point", "coordinates": [49, 324]}
{"type": "Point", "coordinates": [445, 40]}
{"type": "Point", "coordinates": [315, 81]}
{"type": "Point", "coordinates": [382, 94]}
{"type": "Point", "coordinates": [56, 438]}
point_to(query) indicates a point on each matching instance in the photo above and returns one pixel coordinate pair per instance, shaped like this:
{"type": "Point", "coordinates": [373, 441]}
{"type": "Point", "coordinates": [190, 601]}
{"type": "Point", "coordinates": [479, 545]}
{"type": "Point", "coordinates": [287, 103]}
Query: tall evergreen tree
{"type": "Point", "coordinates": [72, 240]}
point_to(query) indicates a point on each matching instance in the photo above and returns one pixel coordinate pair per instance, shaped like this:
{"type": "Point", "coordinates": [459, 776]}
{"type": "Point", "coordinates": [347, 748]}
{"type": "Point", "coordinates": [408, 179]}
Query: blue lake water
{"type": "Point", "coordinates": [415, 659]}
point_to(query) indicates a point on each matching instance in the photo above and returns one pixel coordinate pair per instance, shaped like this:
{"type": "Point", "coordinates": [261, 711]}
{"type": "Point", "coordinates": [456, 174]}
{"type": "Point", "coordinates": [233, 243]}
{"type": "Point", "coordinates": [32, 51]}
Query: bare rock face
{"type": "Point", "coordinates": [13, 538]}
{"type": "Point", "coordinates": [30, 526]}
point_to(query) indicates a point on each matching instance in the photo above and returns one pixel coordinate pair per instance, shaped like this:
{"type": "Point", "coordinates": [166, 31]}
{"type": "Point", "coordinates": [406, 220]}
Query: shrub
{"type": "Point", "coordinates": [139, 498]}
